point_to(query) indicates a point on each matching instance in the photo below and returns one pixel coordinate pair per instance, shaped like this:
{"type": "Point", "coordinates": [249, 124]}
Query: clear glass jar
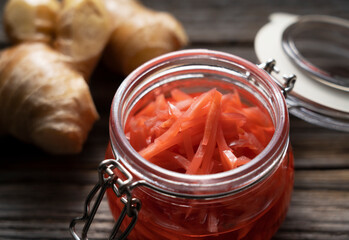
{"type": "Point", "coordinates": [249, 202]}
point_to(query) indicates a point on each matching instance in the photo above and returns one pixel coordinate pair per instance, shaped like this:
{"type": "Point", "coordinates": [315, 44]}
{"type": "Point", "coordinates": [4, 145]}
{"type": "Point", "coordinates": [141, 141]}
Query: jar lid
{"type": "Point", "coordinates": [316, 49]}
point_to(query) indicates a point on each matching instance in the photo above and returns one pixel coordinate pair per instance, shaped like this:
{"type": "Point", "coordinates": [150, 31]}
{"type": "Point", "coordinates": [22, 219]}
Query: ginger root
{"type": "Point", "coordinates": [83, 30]}
{"type": "Point", "coordinates": [44, 97]}
{"type": "Point", "coordinates": [139, 35]}
{"type": "Point", "coordinates": [79, 29]}
{"type": "Point", "coordinates": [43, 100]}
{"type": "Point", "coordinates": [30, 20]}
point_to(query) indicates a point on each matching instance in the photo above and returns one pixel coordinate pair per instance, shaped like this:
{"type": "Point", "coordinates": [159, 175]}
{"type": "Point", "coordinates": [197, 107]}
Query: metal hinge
{"type": "Point", "coordinates": [290, 80]}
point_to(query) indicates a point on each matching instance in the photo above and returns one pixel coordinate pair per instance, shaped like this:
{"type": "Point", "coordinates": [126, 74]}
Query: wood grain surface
{"type": "Point", "coordinates": [41, 193]}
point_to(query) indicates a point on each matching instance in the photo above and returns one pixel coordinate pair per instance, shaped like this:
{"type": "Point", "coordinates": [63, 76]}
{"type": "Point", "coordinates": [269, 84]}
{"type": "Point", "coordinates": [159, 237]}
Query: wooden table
{"type": "Point", "coordinates": [40, 193]}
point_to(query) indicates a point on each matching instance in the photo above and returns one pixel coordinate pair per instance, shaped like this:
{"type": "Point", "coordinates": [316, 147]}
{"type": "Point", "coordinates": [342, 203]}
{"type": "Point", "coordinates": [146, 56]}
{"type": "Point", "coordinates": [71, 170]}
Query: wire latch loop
{"type": "Point", "coordinates": [120, 186]}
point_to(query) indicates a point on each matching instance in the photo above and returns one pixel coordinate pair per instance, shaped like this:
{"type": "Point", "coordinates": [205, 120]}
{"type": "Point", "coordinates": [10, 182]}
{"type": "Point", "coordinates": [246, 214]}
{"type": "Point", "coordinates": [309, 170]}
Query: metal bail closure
{"type": "Point", "coordinates": [108, 179]}
{"type": "Point", "coordinates": [290, 80]}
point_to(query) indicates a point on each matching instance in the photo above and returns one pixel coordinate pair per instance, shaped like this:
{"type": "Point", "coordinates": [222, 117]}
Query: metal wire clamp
{"type": "Point", "coordinates": [108, 179]}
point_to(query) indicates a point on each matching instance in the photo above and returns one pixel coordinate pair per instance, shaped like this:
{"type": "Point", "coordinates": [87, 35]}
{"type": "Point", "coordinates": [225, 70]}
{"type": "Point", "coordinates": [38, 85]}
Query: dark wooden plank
{"type": "Point", "coordinates": [317, 147]}
{"type": "Point", "coordinates": [43, 202]}
{"type": "Point", "coordinates": [317, 214]}
{"type": "Point", "coordinates": [225, 21]}
{"type": "Point", "coordinates": [43, 206]}
{"type": "Point", "coordinates": [322, 179]}
{"type": "Point", "coordinates": [293, 235]}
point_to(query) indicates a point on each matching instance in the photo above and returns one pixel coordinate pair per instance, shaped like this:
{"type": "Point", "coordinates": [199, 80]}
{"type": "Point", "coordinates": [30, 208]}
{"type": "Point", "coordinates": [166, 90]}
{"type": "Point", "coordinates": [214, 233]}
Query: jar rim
{"type": "Point", "coordinates": [208, 184]}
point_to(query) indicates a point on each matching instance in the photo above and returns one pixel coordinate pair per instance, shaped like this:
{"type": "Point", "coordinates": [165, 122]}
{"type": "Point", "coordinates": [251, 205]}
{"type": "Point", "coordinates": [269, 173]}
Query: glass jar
{"type": "Point", "coordinates": [249, 202]}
